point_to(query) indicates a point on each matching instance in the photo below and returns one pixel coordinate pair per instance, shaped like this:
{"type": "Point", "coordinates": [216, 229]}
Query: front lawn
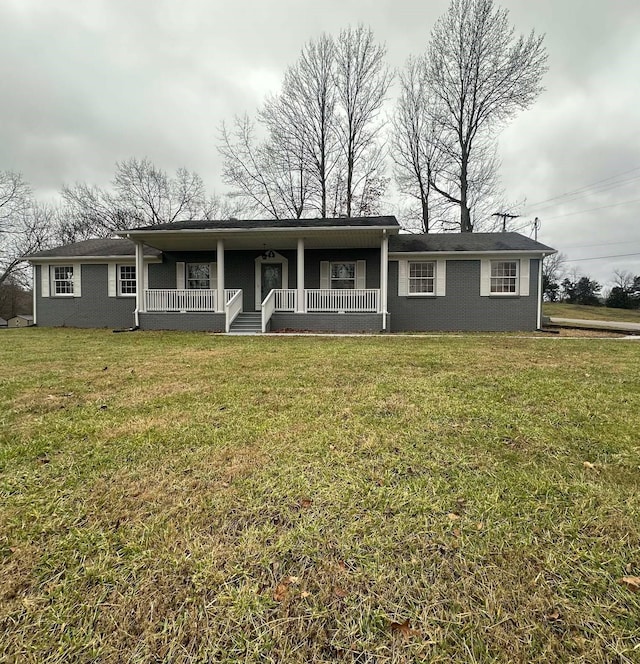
{"type": "Point", "coordinates": [580, 311]}
{"type": "Point", "coordinates": [175, 497]}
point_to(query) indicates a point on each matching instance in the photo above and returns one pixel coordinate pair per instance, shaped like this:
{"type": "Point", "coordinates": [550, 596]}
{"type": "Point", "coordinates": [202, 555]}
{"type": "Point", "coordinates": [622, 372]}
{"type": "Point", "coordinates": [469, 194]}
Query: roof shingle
{"type": "Point", "coordinates": [467, 242]}
{"type": "Point", "coordinates": [98, 247]}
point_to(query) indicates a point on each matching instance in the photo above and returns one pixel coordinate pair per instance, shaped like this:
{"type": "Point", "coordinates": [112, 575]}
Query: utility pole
{"type": "Point", "coordinates": [505, 216]}
{"type": "Point", "coordinates": [536, 228]}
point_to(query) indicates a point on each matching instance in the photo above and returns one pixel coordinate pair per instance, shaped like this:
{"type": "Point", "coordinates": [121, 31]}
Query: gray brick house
{"type": "Point", "coordinates": [358, 274]}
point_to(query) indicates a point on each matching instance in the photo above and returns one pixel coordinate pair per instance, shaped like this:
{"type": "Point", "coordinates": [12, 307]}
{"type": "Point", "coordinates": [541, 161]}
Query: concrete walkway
{"type": "Point", "coordinates": [614, 326]}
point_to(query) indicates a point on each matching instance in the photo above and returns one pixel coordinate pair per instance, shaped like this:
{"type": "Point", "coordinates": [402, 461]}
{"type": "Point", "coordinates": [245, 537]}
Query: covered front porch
{"type": "Point", "coordinates": [323, 280]}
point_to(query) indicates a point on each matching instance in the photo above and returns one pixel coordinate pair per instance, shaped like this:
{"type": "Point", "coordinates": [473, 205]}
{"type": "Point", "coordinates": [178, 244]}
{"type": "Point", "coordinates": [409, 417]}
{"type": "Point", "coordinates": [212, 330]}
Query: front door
{"type": "Point", "coordinates": [271, 277]}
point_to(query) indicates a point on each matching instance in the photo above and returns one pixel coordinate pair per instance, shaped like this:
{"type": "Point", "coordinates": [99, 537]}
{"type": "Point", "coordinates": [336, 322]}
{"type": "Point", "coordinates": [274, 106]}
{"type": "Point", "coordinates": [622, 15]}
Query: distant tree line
{"type": "Point", "coordinates": [557, 286]}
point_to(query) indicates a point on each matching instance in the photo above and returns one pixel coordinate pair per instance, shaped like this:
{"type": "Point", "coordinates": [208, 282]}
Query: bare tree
{"type": "Point", "coordinates": [142, 194]}
{"type": "Point", "coordinates": [417, 144]}
{"type": "Point", "coordinates": [152, 197]}
{"type": "Point", "coordinates": [269, 177]}
{"type": "Point", "coordinates": [480, 74]}
{"type": "Point", "coordinates": [27, 231]}
{"type": "Point", "coordinates": [25, 226]}
{"type": "Point", "coordinates": [362, 81]}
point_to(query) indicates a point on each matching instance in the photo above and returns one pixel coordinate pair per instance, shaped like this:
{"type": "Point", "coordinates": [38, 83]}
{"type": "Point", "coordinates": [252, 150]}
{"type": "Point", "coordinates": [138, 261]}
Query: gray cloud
{"type": "Point", "coordinates": [87, 84]}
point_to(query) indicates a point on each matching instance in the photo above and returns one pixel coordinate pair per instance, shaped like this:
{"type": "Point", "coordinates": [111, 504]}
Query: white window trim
{"type": "Point", "coordinates": [119, 267]}
{"type": "Point", "coordinates": [439, 277]}
{"type": "Point", "coordinates": [76, 279]}
{"type": "Point", "coordinates": [360, 274]}
{"type": "Point", "coordinates": [523, 276]}
{"type": "Point", "coordinates": [513, 293]}
{"type": "Point", "coordinates": [434, 279]}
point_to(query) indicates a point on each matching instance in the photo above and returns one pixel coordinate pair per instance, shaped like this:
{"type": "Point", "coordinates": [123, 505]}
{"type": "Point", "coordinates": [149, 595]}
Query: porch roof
{"type": "Point", "coordinates": [266, 233]}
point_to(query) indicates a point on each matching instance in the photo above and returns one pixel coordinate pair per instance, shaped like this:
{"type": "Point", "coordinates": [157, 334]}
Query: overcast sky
{"type": "Point", "coordinates": [87, 83]}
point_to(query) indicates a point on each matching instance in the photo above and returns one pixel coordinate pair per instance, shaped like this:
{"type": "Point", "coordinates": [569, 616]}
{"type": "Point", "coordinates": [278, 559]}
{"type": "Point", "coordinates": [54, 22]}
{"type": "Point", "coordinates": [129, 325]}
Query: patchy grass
{"type": "Point", "coordinates": [196, 498]}
{"type": "Point", "coordinates": [579, 311]}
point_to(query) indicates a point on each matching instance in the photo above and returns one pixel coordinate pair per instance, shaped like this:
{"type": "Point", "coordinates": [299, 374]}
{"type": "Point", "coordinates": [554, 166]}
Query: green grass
{"type": "Point", "coordinates": [173, 497]}
{"type": "Point", "coordinates": [562, 310]}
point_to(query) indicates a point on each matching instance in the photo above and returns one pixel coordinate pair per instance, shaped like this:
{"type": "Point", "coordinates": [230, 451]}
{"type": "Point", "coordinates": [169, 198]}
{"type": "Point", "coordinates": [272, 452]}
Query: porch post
{"type": "Point", "coordinates": [140, 285]}
{"type": "Point", "coordinates": [300, 265]}
{"type": "Point", "coordinates": [220, 274]}
{"type": "Point", "coordinates": [384, 277]}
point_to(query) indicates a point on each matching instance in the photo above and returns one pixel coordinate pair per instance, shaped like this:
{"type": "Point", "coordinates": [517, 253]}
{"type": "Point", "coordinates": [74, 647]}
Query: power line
{"type": "Point", "coordinates": [575, 197]}
{"type": "Point", "coordinates": [597, 258]}
{"type": "Point", "coordinates": [601, 244]}
{"type": "Point", "coordinates": [603, 207]}
{"type": "Point", "coordinates": [584, 187]}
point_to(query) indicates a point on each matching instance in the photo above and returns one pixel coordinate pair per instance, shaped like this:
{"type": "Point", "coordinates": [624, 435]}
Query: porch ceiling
{"type": "Point", "coordinates": [206, 240]}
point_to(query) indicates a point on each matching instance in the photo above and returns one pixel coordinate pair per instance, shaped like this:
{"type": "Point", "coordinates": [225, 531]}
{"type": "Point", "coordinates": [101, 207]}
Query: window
{"type": "Point", "coordinates": [343, 275]}
{"type": "Point", "coordinates": [126, 279]}
{"type": "Point", "coordinates": [62, 280]}
{"type": "Point", "coordinates": [422, 278]}
{"type": "Point", "coordinates": [504, 277]}
{"type": "Point", "coordinates": [198, 275]}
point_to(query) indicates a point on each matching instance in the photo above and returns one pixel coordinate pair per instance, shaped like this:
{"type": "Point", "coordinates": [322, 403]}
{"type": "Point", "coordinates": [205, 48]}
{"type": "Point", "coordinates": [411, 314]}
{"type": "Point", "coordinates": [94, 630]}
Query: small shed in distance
{"type": "Point", "coordinates": [21, 320]}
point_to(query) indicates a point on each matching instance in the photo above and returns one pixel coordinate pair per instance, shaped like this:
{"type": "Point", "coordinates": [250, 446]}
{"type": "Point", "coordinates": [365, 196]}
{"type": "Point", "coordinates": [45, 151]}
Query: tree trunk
{"type": "Point", "coordinates": [465, 213]}
{"type": "Point", "coordinates": [465, 219]}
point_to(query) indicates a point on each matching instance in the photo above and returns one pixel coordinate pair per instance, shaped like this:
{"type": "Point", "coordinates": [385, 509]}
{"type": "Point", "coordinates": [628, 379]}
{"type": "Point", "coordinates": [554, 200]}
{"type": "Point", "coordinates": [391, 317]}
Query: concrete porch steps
{"type": "Point", "coordinates": [247, 322]}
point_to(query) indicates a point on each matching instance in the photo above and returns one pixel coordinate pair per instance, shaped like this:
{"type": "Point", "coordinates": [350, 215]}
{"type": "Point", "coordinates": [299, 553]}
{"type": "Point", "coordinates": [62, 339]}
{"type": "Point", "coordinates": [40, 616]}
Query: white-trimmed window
{"type": "Point", "coordinates": [342, 275]}
{"type": "Point", "coordinates": [62, 280]}
{"type": "Point", "coordinates": [504, 277]}
{"type": "Point", "coordinates": [198, 276]}
{"type": "Point", "coordinates": [126, 279]}
{"type": "Point", "coordinates": [422, 277]}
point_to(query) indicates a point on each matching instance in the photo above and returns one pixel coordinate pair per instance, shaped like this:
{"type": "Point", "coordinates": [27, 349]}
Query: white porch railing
{"type": "Point", "coordinates": [230, 293]}
{"type": "Point", "coordinates": [186, 299]}
{"type": "Point", "coordinates": [181, 299]}
{"type": "Point", "coordinates": [232, 307]}
{"type": "Point", "coordinates": [268, 307]}
{"type": "Point", "coordinates": [286, 299]}
{"type": "Point", "coordinates": [343, 299]}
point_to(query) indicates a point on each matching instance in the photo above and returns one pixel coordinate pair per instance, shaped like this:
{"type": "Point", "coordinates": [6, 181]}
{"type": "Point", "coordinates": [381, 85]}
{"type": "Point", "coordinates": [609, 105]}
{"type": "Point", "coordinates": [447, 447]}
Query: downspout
{"type": "Point", "coordinates": [539, 327]}
{"type": "Point", "coordinates": [139, 282]}
{"type": "Point", "coordinates": [35, 292]}
{"type": "Point", "coordinates": [384, 277]}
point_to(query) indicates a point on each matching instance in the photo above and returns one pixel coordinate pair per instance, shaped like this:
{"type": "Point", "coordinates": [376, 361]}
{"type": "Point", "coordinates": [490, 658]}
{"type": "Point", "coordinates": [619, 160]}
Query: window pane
{"type": "Point", "coordinates": [198, 275]}
{"type": "Point", "coordinates": [343, 275]}
{"type": "Point", "coordinates": [63, 280]}
{"type": "Point", "coordinates": [422, 277]}
{"type": "Point", "coordinates": [343, 270]}
{"type": "Point", "coordinates": [504, 276]}
{"type": "Point", "coordinates": [127, 279]}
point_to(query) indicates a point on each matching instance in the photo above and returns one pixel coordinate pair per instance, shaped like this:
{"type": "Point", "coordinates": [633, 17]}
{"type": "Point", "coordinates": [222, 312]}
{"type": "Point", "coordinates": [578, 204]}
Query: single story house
{"type": "Point", "coordinates": [3, 322]}
{"type": "Point", "coordinates": [342, 275]}
{"type": "Point", "coordinates": [21, 320]}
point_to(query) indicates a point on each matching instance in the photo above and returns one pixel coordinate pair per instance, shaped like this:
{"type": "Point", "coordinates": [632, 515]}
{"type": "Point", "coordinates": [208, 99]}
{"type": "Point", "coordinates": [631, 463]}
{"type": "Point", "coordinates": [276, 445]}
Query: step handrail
{"type": "Point", "coordinates": [232, 308]}
{"type": "Point", "coordinates": [268, 307]}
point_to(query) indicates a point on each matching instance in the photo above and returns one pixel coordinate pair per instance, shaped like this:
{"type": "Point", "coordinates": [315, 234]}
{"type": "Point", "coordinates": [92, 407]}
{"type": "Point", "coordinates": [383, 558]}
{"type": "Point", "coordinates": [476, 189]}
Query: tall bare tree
{"type": "Point", "coordinates": [480, 74]}
{"type": "Point", "coordinates": [269, 176]}
{"type": "Point", "coordinates": [417, 149]}
{"type": "Point", "coordinates": [302, 117]}
{"type": "Point", "coordinates": [362, 81]}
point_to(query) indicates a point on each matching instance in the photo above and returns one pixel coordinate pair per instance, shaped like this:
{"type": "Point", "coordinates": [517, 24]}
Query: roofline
{"type": "Point", "coordinates": [91, 259]}
{"type": "Point", "coordinates": [466, 253]}
{"type": "Point", "coordinates": [281, 229]}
